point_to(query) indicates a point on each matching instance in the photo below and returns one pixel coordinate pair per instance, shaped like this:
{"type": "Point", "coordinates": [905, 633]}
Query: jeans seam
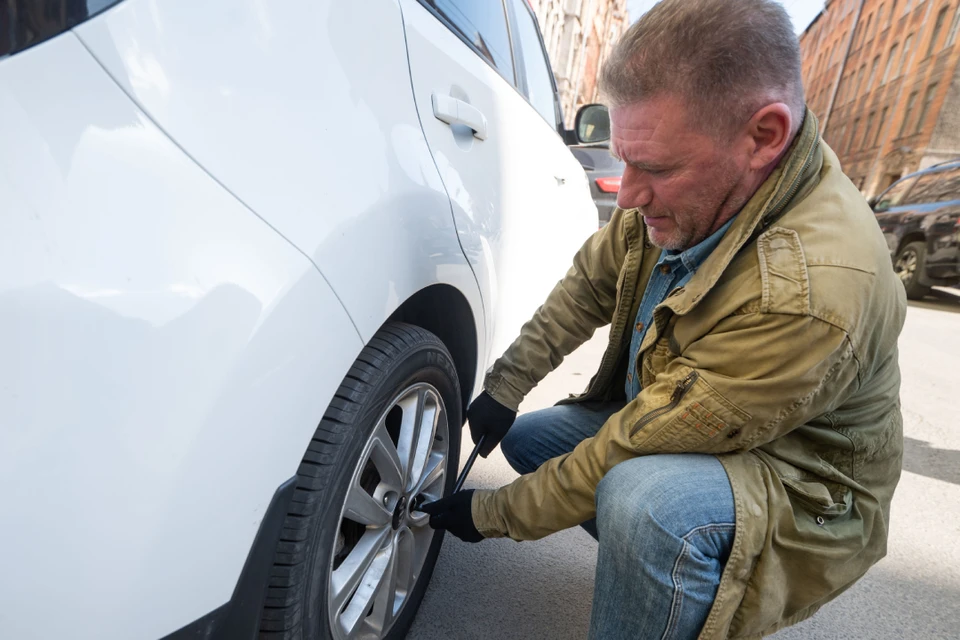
{"type": "Point", "coordinates": [677, 601]}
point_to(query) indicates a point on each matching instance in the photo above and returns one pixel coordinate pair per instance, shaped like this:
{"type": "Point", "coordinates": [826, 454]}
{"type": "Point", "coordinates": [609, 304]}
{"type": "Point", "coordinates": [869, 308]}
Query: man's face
{"type": "Point", "coordinates": [682, 179]}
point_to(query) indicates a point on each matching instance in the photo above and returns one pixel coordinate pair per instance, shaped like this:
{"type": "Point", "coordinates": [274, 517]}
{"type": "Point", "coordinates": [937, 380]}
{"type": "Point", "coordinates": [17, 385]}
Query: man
{"type": "Point", "coordinates": [737, 451]}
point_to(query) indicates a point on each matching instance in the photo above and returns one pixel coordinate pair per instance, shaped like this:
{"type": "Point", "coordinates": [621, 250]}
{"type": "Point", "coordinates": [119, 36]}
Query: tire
{"type": "Point", "coordinates": [909, 264]}
{"type": "Point", "coordinates": [321, 544]}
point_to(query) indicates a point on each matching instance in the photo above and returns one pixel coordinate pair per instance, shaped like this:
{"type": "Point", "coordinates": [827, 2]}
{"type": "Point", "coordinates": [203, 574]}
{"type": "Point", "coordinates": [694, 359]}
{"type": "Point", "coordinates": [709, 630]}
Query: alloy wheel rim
{"type": "Point", "coordinates": [907, 266]}
{"type": "Point", "coordinates": [382, 544]}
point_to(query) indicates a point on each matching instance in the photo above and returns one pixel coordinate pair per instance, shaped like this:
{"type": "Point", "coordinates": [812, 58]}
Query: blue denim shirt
{"type": "Point", "coordinates": [674, 269]}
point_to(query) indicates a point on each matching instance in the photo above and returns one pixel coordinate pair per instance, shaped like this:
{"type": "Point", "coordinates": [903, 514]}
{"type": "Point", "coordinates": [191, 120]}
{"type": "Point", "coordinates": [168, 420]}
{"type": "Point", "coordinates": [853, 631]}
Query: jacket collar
{"type": "Point", "coordinates": [793, 179]}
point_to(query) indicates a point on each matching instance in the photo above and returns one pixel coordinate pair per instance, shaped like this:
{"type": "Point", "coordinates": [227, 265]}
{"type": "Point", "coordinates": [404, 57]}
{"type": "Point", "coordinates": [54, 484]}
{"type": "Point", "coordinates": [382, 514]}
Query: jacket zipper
{"type": "Point", "coordinates": [678, 393]}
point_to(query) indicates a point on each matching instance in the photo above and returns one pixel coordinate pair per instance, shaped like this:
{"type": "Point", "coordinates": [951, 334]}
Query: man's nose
{"type": "Point", "coordinates": [635, 190]}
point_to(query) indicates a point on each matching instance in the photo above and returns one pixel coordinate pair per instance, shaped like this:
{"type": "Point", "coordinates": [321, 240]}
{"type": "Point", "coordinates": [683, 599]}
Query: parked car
{"type": "Point", "coordinates": [604, 173]}
{"type": "Point", "coordinates": [920, 218]}
{"type": "Point", "coordinates": [254, 260]}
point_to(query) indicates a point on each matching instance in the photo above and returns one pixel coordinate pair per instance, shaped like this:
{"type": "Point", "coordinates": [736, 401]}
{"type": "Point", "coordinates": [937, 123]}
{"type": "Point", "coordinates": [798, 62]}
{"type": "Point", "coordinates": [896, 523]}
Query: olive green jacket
{"type": "Point", "coordinates": [779, 356]}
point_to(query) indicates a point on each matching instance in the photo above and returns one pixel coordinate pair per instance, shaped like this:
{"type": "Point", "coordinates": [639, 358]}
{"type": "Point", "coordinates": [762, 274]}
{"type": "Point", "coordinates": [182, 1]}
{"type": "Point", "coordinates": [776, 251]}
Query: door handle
{"type": "Point", "coordinates": [454, 111]}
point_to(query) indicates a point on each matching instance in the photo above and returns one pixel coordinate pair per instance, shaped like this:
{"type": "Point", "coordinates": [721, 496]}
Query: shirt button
{"type": "Point", "coordinates": [639, 326]}
{"type": "Point", "coordinates": [665, 269]}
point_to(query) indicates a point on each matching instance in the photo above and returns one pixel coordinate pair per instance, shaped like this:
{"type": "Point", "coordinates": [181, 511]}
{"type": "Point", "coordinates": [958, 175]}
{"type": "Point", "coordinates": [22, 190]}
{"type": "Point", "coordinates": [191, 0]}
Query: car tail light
{"type": "Point", "coordinates": [609, 185]}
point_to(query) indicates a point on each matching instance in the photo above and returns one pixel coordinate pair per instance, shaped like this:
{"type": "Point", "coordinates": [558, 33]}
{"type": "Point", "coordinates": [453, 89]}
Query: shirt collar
{"type": "Point", "coordinates": [693, 257]}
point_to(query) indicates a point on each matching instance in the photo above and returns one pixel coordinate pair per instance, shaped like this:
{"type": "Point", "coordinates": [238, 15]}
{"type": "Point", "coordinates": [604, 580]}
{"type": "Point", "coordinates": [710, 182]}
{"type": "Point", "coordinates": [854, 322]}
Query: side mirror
{"type": "Point", "coordinates": [592, 124]}
{"type": "Point", "coordinates": [880, 207]}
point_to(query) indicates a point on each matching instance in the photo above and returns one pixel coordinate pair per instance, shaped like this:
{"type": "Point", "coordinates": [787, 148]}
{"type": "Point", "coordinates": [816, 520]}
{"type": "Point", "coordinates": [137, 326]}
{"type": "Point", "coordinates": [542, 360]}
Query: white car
{"type": "Point", "coordinates": [254, 260]}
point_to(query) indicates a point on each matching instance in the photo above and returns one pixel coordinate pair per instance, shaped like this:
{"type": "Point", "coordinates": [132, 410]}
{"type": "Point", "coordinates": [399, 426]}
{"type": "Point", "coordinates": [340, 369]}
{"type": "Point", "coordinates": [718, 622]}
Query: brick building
{"type": "Point", "coordinates": [579, 35]}
{"type": "Point", "coordinates": [882, 77]}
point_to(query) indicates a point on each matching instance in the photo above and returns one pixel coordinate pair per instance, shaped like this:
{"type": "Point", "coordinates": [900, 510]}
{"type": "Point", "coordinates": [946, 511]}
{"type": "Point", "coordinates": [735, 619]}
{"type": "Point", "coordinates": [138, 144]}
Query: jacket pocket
{"type": "Point", "coordinates": [699, 414]}
{"type": "Point", "coordinates": [816, 497]}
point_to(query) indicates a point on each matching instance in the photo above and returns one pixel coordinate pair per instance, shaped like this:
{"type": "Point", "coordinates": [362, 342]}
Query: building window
{"type": "Point", "coordinates": [866, 132]}
{"type": "Point", "coordinates": [856, 87]}
{"type": "Point", "coordinates": [880, 19]}
{"type": "Point", "coordinates": [937, 27]}
{"type": "Point", "coordinates": [911, 103]}
{"type": "Point", "coordinates": [873, 74]}
{"type": "Point", "coordinates": [893, 11]}
{"type": "Point", "coordinates": [840, 138]}
{"type": "Point", "coordinates": [952, 38]}
{"type": "Point", "coordinates": [893, 56]}
{"type": "Point", "coordinates": [866, 30]}
{"type": "Point", "coordinates": [883, 121]}
{"type": "Point", "coordinates": [853, 134]}
{"type": "Point", "coordinates": [927, 103]}
{"type": "Point", "coordinates": [906, 7]}
{"type": "Point", "coordinates": [906, 52]}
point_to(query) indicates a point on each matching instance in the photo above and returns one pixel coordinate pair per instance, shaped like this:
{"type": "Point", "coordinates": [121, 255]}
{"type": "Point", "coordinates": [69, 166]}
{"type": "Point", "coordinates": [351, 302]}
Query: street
{"type": "Point", "coordinates": [501, 589]}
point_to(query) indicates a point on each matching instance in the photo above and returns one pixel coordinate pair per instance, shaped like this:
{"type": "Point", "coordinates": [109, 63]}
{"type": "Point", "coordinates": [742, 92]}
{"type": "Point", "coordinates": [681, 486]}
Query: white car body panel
{"type": "Point", "coordinates": [336, 160]}
{"type": "Point", "coordinates": [208, 209]}
{"type": "Point", "coordinates": [145, 324]}
{"type": "Point", "coordinates": [521, 224]}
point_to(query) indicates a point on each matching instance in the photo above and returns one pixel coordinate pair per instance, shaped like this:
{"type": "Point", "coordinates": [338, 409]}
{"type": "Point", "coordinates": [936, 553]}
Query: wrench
{"type": "Point", "coordinates": [417, 501]}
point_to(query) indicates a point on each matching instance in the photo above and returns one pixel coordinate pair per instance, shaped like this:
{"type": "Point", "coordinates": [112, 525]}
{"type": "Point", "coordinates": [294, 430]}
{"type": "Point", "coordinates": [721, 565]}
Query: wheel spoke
{"type": "Point", "coordinates": [422, 538]}
{"type": "Point", "coordinates": [386, 596]}
{"type": "Point", "coordinates": [428, 417]}
{"type": "Point", "coordinates": [411, 407]}
{"type": "Point", "coordinates": [377, 582]}
{"type": "Point", "coordinates": [404, 578]}
{"type": "Point", "coordinates": [356, 578]}
{"type": "Point", "coordinates": [430, 485]}
{"type": "Point", "coordinates": [363, 508]}
{"type": "Point", "coordinates": [417, 434]}
{"type": "Point", "coordinates": [386, 459]}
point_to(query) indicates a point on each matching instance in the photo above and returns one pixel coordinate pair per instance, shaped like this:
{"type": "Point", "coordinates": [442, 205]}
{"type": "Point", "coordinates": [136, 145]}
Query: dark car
{"type": "Point", "coordinates": [589, 141]}
{"type": "Point", "coordinates": [604, 173]}
{"type": "Point", "coordinates": [920, 218]}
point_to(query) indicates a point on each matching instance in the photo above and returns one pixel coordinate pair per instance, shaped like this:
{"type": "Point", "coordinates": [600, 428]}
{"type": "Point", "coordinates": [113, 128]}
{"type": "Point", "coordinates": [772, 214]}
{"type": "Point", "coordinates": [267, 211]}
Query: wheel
{"type": "Point", "coordinates": [354, 559]}
{"type": "Point", "coordinates": [909, 266]}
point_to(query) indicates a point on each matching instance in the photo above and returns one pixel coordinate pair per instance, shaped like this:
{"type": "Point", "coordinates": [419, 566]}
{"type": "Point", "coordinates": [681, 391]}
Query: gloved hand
{"type": "Point", "coordinates": [489, 417]}
{"type": "Point", "coordinates": [455, 514]}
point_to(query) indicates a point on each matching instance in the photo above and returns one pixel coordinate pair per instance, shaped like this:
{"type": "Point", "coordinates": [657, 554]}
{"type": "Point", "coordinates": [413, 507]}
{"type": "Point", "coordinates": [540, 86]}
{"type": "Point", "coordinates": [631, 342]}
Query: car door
{"type": "Point", "coordinates": [890, 211]}
{"type": "Point", "coordinates": [520, 200]}
{"type": "Point", "coordinates": [943, 229]}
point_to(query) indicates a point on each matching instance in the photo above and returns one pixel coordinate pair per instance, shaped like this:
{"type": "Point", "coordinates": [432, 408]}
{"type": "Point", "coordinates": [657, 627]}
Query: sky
{"type": "Point", "coordinates": [802, 11]}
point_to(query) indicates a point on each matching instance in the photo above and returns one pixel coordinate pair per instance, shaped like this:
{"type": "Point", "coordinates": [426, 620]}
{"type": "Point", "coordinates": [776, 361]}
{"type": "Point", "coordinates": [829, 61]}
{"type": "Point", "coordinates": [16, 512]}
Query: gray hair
{"type": "Point", "coordinates": [725, 58]}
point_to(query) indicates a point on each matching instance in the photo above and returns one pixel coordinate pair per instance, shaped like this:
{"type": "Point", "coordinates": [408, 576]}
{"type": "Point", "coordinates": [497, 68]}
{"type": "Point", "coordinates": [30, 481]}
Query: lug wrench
{"type": "Point", "coordinates": [417, 501]}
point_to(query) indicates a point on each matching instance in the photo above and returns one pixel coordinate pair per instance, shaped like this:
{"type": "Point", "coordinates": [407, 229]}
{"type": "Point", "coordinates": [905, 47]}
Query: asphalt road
{"type": "Point", "coordinates": [502, 589]}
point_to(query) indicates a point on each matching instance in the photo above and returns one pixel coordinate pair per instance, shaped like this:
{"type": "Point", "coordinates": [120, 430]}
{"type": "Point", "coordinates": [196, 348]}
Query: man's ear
{"type": "Point", "coordinates": [770, 130]}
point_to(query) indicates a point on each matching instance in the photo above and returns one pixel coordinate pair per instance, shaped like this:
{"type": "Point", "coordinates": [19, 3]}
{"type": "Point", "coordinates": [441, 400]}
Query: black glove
{"type": "Point", "coordinates": [490, 418]}
{"type": "Point", "coordinates": [455, 514]}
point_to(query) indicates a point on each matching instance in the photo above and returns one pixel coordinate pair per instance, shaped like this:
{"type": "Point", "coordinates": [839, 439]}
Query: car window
{"type": "Point", "coordinates": [28, 22]}
{"type": "Point", "coordinates": [483, 24]}
{"type": "Point", "coordinates": [536, 69]}
{"type": "Point", "coordinates": [893, 196]}
{"type": "Point", "coordinates": [923, 191]}
{"type": "Point", "coordinates": [947, 187]}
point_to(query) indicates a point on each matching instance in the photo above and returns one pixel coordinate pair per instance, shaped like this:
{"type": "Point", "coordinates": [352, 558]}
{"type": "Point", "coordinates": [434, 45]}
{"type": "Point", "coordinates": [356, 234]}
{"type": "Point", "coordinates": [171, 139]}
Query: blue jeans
{"type": "Point", "coordinates": [665, 525]}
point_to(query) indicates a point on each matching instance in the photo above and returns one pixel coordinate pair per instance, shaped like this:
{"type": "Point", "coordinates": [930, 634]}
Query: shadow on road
{"type": "Point", "coordinates": [920, 458]}
{"type": "Point", "coordinates": [887, 604]}
{"type": "Point", "coordinates": [938, 301]}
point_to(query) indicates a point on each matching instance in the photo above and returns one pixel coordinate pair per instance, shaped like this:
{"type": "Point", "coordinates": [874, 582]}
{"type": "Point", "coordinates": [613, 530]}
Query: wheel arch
{"type": "Point", "coordinates": [445, 312]}
{"type": "Point", "coordinates": [911, 236]}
